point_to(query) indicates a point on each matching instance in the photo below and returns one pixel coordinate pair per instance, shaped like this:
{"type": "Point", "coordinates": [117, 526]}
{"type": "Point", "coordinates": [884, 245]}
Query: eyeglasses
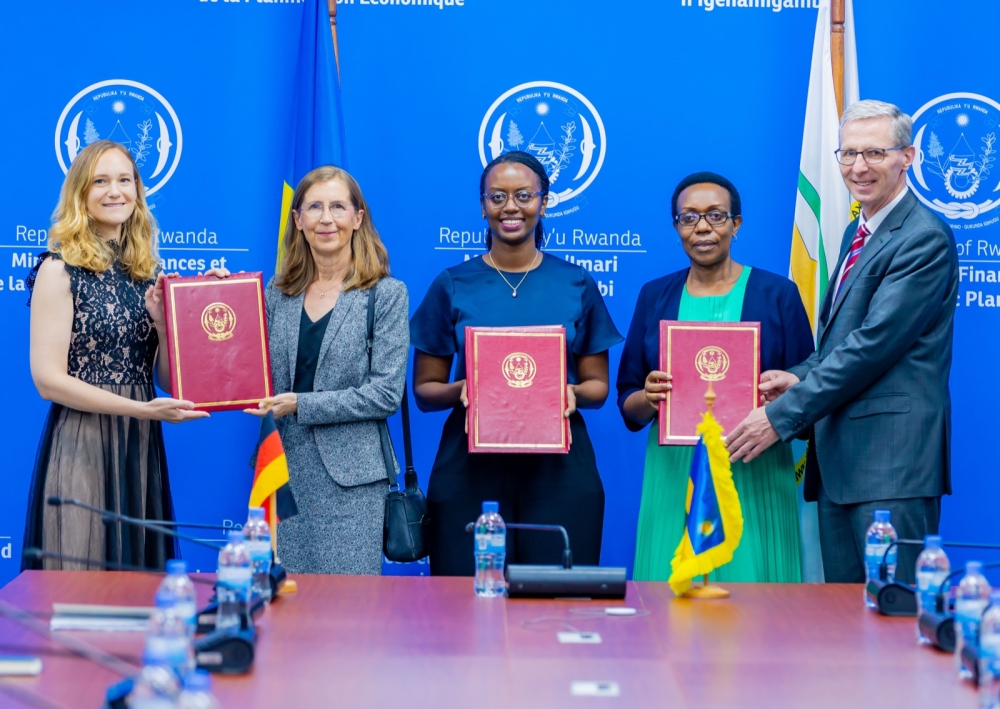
{"type": "Point", "coordinates": [522, 198]}
{"type": "Point", "coordinates": [715, 217]}
{"type": "Point", "coordinates": [315, 210]}
{"type": "Point", "coordinates": [872, 156]}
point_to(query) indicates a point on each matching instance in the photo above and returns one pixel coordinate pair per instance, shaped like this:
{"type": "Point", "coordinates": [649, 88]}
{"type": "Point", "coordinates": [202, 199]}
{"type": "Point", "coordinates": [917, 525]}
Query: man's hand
{"type": "Point", "coordinates": [774, 383]}
{"type": "Point", "coordinates": [753, 436]}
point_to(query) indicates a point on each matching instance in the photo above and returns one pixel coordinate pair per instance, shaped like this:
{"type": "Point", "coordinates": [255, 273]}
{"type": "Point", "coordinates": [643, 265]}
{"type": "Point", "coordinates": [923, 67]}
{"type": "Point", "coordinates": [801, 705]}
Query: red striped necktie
{"type": "Point", "coordinates": [857, 244]}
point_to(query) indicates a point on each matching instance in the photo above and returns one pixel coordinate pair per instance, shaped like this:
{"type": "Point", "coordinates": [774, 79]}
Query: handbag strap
{"type": "Point", "coordinates": [383, 428]}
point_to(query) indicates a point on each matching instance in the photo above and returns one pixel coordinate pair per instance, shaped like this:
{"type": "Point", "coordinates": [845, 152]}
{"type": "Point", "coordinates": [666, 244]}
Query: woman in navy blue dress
{"type": "Point", "coordinates": [513, 284]}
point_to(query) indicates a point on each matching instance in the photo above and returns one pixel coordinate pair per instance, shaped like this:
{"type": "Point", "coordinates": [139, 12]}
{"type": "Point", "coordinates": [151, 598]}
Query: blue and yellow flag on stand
{"type": "Point", "coordinates": [317, 126]}
{"type": "Point", "coordinates": [714, 522]}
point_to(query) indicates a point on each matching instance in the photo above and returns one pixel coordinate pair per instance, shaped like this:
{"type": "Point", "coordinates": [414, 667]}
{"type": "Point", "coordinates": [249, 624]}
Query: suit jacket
{"type": "Point", "coordinates": [347, 401]}
{"type": "Point", "coordinates": [876, 389]}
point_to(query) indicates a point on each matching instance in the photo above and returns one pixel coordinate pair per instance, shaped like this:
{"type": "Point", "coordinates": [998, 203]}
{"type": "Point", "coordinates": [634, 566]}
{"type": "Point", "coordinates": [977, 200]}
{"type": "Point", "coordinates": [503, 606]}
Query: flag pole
{"type": "Point", "coordinates": [707, 590]}
{"type": "Point", "coordinates": [837, 19]}
{"type": "Point", "coordinates": [332, 4]}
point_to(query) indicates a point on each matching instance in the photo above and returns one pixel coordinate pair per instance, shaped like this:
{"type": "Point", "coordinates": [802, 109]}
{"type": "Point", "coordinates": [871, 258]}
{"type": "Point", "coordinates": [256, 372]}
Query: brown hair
{"type": "Point", "coordinates": [73, 236]}
{"type": "Point", "coordinates": [369, 257]}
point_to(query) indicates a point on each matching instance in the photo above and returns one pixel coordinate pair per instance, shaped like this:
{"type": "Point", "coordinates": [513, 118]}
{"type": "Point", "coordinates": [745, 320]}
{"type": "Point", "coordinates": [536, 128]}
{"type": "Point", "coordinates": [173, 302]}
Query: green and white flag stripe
{"type": "Point", "coordinates": [823, 204]}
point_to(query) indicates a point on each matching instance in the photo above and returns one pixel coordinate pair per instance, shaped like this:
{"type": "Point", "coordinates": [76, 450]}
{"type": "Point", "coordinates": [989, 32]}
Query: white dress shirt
{"type": "Point", "coordinates": [873, 223]}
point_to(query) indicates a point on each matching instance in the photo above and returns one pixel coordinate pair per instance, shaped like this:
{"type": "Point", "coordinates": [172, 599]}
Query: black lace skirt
{"type": "Point", "coordinates": [109, 462]}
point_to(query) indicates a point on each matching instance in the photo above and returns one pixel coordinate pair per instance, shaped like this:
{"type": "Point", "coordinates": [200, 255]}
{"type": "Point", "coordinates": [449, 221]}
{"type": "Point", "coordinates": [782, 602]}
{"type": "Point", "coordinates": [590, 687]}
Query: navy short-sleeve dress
{"type": "Point", "coordinates": [531, 488]}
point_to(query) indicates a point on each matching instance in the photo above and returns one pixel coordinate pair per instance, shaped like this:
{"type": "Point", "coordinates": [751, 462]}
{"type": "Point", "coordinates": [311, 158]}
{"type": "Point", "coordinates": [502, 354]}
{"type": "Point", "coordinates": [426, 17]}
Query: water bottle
{"type": "Point", "coordinates": [989, 655]}
{"type": "Point", "coordinates": [167, 640]}
{"type": "Point", "coordinates": [232, 588]}
{"type": "Point", "coordinates": [156, 687]}
{"type": "Point", "coordinates": [176, 582]}
{"type": "Point", "coordinates": [197, 692]}
{"type": "Point", "coordinates": [878, 538]}
{"type": "Point", "coordinates": [258, 536]}
{"type": "Point", "coordinates": [971, 599]}
{"type": "Point", "coordinates": [932, 570]}
{"type": "Point", "coordinates": [491, 551]}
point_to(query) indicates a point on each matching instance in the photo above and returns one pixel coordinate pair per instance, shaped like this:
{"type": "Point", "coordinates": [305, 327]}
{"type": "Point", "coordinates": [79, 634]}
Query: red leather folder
{"type": "Point", "coordinates": [516, 384]}
{"type": "Point", "coordinates": [217, 340]}
{"type": "Point", "coordinates": [696, 353]}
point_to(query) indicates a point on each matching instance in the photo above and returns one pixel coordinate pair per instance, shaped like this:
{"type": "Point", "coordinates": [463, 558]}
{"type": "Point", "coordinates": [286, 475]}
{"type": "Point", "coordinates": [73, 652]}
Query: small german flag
{"type": "Point", "coordinates": [270, 478]}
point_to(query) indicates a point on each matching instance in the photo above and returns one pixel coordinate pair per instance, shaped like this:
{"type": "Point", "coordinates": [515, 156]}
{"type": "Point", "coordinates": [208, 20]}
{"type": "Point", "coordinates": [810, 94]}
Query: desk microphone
{"type": "Point", "coordinates": [111, 517]}
{"type": "Point", "coordinates": [938, 625]}
{"type": "Point", "coordinates": [277, 573]}
{"type": "Point", "coordinates": [542, 581]}
{"type": "Point", "coordinates": [900, 599]}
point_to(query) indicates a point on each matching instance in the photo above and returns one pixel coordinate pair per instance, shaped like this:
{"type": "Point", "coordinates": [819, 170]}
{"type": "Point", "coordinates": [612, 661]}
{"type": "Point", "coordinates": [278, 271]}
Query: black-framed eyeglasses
{"type": "Point", "coordinates": [872, 156]}
{"type": "Point", "coordinates": [522, 198]}
{"type": "Point", "coordinates": [715, 217]}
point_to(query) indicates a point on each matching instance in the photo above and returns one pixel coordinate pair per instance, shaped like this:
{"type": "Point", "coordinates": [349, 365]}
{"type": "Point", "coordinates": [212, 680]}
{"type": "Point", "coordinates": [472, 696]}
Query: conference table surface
{"type": "Point", "coordinates": [351, 641]}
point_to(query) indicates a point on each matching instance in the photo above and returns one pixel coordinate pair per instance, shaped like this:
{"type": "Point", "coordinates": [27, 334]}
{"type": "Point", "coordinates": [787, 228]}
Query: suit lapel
{"type": "Point", "coordinates": [887, 229]}
{"type": "Point", "coordinates": [827, 305]}
{"type": "Point", "coordinates": [292, 323]}
{"type": "Point", "coordinates": [345, 303]}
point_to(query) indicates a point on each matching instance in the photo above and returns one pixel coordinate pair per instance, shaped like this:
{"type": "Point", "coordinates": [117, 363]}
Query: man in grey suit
{"type": "Point", "coordinates": [874, 396]}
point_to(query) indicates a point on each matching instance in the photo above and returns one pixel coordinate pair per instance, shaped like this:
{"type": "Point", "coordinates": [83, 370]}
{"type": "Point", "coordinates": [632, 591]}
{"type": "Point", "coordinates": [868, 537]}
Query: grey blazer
{"type": "Point", "coordinates": [876, 389]}
{"type": "Point", "coordinates": [347, 403]}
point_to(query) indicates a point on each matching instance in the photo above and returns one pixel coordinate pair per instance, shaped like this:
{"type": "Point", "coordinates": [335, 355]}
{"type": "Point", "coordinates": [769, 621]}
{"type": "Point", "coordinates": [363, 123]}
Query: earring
{"type": "Point", "coordinates": [734, 236]}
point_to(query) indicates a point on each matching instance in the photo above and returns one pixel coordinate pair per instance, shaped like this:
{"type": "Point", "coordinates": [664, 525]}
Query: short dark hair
{"type": "Point", "coordinates": [530, 161]}
{"type": "Point", "coordinates": [700, 178]}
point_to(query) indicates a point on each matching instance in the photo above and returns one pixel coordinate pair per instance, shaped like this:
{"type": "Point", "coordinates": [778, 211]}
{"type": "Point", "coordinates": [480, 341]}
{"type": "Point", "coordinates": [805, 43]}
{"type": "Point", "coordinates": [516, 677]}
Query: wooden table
{"type": "Point", "coordinates": [429, 642]}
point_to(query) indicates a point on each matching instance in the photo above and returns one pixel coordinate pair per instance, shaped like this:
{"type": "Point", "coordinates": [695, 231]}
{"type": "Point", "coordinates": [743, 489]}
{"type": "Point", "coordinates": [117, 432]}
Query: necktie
{"type": "Point", "coordinates": [857, 244]}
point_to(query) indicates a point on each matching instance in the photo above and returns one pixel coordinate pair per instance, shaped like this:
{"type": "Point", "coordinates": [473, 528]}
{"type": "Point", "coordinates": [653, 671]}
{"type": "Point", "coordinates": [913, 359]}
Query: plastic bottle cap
{"type": "Point", "coordinates": [198, 680]}
{"type": "Point", "coordinates": [236, 536]}
{"type": "Point", "coordinates": [256, 513]}
{"type": "Point", "coordinates": [932, 541]}
{"type": "Point", "coordinates": [176, 567]}
{"type": "Point", "coordinates": [491, 506]}
{"type": "Point", "coordinates": [164, 599]}
{"type": "Point", "coordinates": [883, 515]}
{"type": "Point", "coordinates": [973, 567]}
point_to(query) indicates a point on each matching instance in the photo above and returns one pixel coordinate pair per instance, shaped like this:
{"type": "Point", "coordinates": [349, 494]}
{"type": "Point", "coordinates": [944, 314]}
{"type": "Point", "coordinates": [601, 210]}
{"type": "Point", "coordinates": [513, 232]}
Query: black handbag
{"type": "Point", "coordinates": [404, 526]}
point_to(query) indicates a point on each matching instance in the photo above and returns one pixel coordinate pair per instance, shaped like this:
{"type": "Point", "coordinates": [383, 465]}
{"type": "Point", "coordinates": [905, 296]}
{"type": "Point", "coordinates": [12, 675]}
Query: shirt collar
{"type": "Point", "coordinates": [875, 221]}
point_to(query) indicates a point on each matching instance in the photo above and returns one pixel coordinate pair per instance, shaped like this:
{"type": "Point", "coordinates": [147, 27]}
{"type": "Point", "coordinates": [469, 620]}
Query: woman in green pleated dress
{"type": "Point", "coordinates": [706, 213]}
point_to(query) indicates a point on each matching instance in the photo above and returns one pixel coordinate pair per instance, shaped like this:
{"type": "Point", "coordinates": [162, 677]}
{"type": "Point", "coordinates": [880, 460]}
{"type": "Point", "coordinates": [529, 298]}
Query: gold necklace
{"type": "Point", "coordinates": [514, 288]}
{"type": "Point", "coordinates": [322, 293]}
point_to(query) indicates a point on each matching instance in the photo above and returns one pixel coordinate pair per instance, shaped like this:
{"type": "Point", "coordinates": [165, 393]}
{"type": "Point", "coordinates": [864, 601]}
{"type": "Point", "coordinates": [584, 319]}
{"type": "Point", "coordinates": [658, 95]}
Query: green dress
{"type": "Point", "coordinates": [769, 549]}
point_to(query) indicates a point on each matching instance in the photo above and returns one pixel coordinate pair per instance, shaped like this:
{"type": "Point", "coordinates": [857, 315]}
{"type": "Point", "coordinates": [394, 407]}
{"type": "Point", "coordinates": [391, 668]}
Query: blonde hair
{"type": "Point", "coordinates": [369, 257]}
{"type": "Point", "coordinates": [73, 236]}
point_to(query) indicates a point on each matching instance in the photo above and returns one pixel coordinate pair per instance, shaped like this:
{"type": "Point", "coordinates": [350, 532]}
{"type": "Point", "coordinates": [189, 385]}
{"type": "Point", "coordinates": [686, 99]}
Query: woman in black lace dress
{"type": "Point", "coordinates": [96, 319]}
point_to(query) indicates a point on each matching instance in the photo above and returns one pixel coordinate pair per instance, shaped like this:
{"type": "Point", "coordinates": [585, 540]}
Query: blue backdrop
{"type": "Point", "coordinates": [654, 90]}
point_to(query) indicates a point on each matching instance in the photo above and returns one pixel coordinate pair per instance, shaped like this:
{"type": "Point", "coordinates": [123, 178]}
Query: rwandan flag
{"type": "Point", "coordinates": [317, 125]}
{"type": "Point", "coordinates": [270, 478]}
{"type": "Point", "coordinates": [714, 518]}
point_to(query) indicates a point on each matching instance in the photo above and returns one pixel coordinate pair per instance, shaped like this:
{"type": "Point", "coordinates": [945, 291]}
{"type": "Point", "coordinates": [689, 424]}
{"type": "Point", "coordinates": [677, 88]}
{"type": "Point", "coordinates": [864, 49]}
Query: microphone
{"type": "Point", "coordinates": [278, 576]}
{"type": "Point", "coordinates": [938, 625]}
{"type": "Point", "coordinates": [899, 599]}
{"type": "Point", "coordinates": [543, 581]}
{"type": "Point", "coordinates": [110, 517]}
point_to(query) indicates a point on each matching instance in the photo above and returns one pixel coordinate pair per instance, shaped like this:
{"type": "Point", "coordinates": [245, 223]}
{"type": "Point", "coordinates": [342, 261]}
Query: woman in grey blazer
{"type": "Point", "coordinates": [328, 399]}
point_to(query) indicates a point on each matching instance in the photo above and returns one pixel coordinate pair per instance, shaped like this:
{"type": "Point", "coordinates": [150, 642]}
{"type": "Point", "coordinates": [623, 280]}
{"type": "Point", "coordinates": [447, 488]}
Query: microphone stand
{"type": "Point", "coordinates": [900, 599]}
{"type": "Point", "coordinates": [110, 517]}
{"type": "Point", "coordinates": [938, 625]}
{"type": "Point", "coordinates": [540, 581]}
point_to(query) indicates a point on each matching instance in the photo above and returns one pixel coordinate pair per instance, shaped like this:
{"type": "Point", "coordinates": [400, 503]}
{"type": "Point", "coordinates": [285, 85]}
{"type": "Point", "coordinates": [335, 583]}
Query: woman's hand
{"type": "Point", "coordinates": [154, 295]}
{"type": "Point", "coordinates": [154, 301]}
{"type": "Point", "coordinates": [657, 384]}
{"type": "Point", "coordinates": [464, 398]}
{"type": "Point", "coordinates": [280, 405]}
{"type": "Point", "coordinates": [172, 410]}
{"type": "Point", "coordinates": [570, 400]}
